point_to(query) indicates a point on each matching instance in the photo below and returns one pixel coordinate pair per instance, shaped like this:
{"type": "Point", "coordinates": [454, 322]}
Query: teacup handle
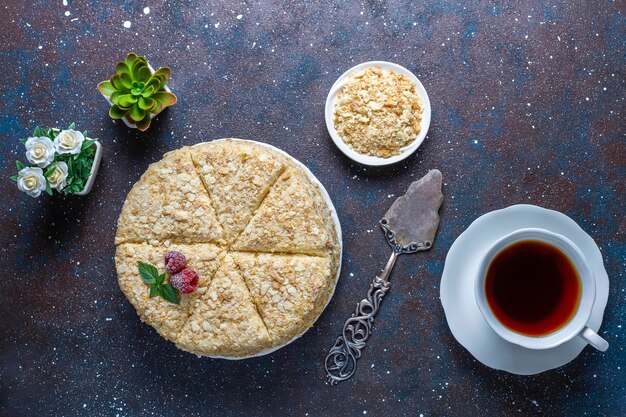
{"type": "Point", "coordinates": [594, 340]}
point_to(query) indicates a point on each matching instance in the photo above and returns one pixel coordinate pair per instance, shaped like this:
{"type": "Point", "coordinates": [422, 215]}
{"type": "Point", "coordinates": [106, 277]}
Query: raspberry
{"type": "Point", "coordinates": [186, 281]}
{"type": "Point", "coordinates": [175, 261]}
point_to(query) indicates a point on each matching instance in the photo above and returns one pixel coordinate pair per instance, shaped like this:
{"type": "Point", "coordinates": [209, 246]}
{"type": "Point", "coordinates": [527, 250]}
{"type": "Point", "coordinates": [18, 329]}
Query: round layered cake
{"type": "Point", "coordinates": [258, 229]}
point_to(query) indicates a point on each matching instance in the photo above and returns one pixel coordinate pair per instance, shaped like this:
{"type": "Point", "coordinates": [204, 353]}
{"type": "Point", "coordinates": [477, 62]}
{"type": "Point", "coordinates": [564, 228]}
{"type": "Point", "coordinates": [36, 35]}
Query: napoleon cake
{"type": "Point", "coordinates": [228, 248]}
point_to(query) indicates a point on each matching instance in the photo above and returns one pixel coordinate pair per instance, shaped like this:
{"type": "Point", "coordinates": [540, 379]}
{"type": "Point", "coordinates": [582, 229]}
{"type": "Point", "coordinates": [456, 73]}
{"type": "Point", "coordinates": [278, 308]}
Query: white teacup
{"type": "Point", "coordinates": [576, 326]}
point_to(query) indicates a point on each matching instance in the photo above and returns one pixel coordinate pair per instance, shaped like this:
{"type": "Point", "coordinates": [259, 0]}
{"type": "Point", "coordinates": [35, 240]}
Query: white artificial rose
{"type": "Point", "coordinates": [31, 181]}
{"type": "Point", "coordinates": [69, 141]}
{"type": "Point", "coordinates": [58, 175]}
{"type": "Point", "coordinates": [40, 151]}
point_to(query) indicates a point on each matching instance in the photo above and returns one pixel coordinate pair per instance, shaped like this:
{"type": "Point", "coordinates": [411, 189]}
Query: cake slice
{"type": "Point", "coordinates": [224, 321]}
{"type": "Point", "coordinates": [290, 291]}
{"type": "Point", "coordinates": [238, 176]}
{"type": "Point", "coordinates": [166, 317]}
{"type": "Point", "coordinates": [169, 202]}
{"type": "Point", "coordinates": [293, 218]}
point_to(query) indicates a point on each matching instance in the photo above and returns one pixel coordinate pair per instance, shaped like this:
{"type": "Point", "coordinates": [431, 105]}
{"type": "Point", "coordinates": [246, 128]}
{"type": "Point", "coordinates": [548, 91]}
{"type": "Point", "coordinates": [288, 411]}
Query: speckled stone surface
{"type": "Point", "coordinates": [528, 107]}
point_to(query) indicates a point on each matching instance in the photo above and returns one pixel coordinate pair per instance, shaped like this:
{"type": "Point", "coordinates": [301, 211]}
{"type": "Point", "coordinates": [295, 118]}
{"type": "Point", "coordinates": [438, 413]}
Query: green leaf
{"type": "Point", "coordinates": [106, 88]}
{"type": "Point", "coordinates": [115, 97]}
{"type": "Point", "coordinates": [127, 100]}
{"type": "Point", "coordinates": [136, 113]}
{"type": "Point", "coordinates": [20, 166]}
{"type": "Point", "coordinates": [87, 144]}
{"type": "Point", "coordinates": [144, 124]}
{"type": "Point", "coordinates": [136, 68]}
{"type": "Point", "coordinates": [49, 170]}
{"type": "Point", "coordinates": [130, 58]}
{"type": "Point", "coordinates": [148, 272]}
{"type": "Point", "coordinates": [157, 109]}
{"type": "Point", "coordinates": [160, 279]}
{"type": "Point", "coordinates": [146, 103]}
{"type": "Point", "coordinates": [165, 72]}
{"type": "Point", "coordinates": [143, 73]}
{"type": "Point", "coordinates": [48, 188]}
{"type": "Point", "coordinates": [122, 68]}
{"type": "Point", "coordinates": [38, 132]}
{"type": "Point", "coordinates": [169, 293]}
{"type": "Point", "coordinates": [166, 99]}
{"type": "Point", "coordinates": [157, 82]}
{"type": "Point", "coordinates": [116, 113]}
{"type": "Point", "coordinates": [116, 82]}
{"type": "Point", "coordinates": [148, 91]}
{"type": "Point", "coordinates": [14, 177]}
{"type": "Point", "coordinates": [154, 290]}
{"type": "Point", "coordinates": [23, 141]}
{"type": "Point", "coordinates": [72, 126]}
{"type": "Point", "coordinates": [126, 81]}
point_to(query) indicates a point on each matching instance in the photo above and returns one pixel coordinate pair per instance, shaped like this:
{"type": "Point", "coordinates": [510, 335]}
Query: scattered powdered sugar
{"type": "Point", "coordinates": [127, 24]}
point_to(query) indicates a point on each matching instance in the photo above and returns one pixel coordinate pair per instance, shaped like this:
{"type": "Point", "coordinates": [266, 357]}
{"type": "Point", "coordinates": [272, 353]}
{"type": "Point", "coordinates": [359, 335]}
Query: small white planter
{"type": "Point", "coordinates": [94, 169]}
{"type": "Point", "coordinates": [152, 115]}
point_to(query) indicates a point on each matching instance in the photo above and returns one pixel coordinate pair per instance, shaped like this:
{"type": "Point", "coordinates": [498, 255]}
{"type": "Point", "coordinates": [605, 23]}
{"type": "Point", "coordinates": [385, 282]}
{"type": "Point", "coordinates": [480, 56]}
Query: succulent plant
{"type": "Point", "coordinates": [136, 92]}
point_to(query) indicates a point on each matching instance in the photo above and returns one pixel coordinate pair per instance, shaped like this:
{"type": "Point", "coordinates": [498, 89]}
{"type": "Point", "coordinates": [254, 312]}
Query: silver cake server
{"type": "Point", "coordinates": [410, 226]}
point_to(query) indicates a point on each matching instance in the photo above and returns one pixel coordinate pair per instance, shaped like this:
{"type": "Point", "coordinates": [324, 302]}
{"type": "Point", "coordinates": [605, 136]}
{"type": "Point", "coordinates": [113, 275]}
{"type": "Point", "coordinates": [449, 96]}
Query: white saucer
{"type": "Point", "coordinates": [405, 152]}
{"type": "Point", "coordinates": [457, 289]}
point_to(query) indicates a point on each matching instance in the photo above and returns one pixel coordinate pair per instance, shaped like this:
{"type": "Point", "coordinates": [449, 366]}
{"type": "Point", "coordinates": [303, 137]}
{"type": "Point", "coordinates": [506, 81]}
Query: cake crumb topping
{"type": "Point", "coordinates": [378, 112]}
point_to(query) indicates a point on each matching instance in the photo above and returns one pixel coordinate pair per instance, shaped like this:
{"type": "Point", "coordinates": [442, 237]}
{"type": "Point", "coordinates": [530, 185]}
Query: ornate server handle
{"type": "Point", "coordinates": [340, 362]}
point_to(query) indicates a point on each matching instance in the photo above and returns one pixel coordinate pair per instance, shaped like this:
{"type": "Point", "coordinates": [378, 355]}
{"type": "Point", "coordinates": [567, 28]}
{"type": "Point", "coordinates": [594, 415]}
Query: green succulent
{"type": "Point", "coordinates": [136, 92]}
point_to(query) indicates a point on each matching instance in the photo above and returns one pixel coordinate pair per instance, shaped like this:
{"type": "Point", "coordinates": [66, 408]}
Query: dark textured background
{"type": "Point", "coordinates": [528, 107]}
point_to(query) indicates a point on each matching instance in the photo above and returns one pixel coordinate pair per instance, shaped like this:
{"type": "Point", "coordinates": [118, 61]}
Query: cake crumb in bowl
{"type": "Point", "coordinates": [378, 112]}
{"type": "Point", "coordinates": [374, 148]}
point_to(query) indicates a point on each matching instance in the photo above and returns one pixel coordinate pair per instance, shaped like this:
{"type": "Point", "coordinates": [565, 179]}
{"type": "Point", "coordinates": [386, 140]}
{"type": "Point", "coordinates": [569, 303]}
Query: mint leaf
{"type": "Point", "coordinates": [169, 293]}
{"type": "Point", "coordinates": [148, 272]}
{"type": "Point", "coordinates": [160, 279]}
{"type": "Point", "coordinates": [150, 275]}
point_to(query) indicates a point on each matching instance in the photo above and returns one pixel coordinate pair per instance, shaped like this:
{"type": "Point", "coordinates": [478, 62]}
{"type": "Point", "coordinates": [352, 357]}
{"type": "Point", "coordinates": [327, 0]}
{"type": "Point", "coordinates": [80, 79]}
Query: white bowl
{"type": "Point", "coordinates": [367, 159]}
